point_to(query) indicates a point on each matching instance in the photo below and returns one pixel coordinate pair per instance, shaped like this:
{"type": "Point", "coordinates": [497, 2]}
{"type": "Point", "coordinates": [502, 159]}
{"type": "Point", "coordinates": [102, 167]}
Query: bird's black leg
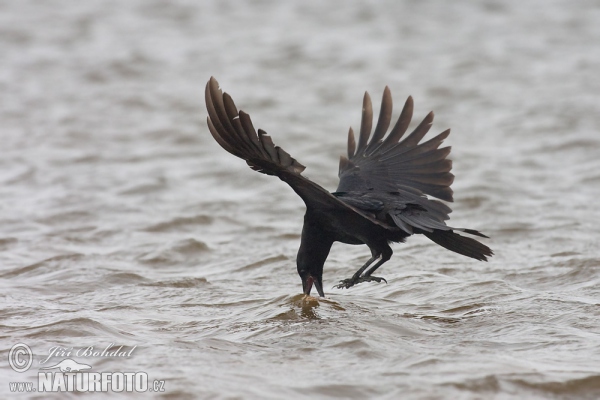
{"type": "Point", "coordinates": [367, 275]}
{"type": "Point", "coordinates": [347, 283]}
{"type": "Point", "coordinates": [386, 254]}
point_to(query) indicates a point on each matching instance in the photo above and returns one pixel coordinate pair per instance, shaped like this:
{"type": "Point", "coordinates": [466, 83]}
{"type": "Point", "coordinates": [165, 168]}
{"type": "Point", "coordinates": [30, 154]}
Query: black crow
{"type": "Point", "coordinates": [382, 194]}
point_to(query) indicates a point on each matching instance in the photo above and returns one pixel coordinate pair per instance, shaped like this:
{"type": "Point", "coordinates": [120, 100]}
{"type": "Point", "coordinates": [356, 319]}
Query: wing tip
{"type": "Point", "coordinates": [387, 93]}
{"type": "Point", "coordinates": [233, 130]}
{"type": "Point", "coordinates": [351, 143]}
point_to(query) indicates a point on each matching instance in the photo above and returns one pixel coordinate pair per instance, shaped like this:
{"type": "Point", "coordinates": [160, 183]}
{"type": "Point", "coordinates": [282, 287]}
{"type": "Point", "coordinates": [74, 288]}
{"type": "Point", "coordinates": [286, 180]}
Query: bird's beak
{"type": "Point", "coordinates": [308, 284]}
{"type": "Point", "coordinates": [319, 286]}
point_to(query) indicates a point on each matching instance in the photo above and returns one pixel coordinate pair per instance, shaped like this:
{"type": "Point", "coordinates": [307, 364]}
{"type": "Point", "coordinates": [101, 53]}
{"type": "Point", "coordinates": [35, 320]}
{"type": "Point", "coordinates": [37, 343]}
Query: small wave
{"type": "Point", "coordinates": [463, 309]}
{"type": "Point", "coordinates": [288, 236]}
{"type": "Point", "coordinates": [179, 283]}
{"type": "Point", "coordinates": [588, 387]}
{"type": "Point", "coordinates": [124, 278]}
{"type": "Point", "coordinates": [65, 218]}
{"type": "Point", "coordinates": [474, 201]}
{"type": "Point", "coordinates": [42, 267]}
{"type": "Point", "coordinates": [76, 327]}
{"type": "Point", "coordinates": [301, 307]}
{"type": "Point", "coordinates": [516, 227]}
{"type": "Point", "coordinates": [340, 391]}
{"type": "Point", "coordinates": [488, 383]}
{"type": "Point", "coordinates": [87, 158]}
{"type": "Point", "coordinates": [144, 188]}
{"type": "Point", "coordinates": [179, 251]}
{"type": "Point", "coordinates": [260, 263]}
{"type": "Point", "coordinates": [289, 315]}
{"type": "Point", "coordinates": [595, 178]}
{"type": "Point", "coordinates": [288, 308]}
{"type": "Point", "coordinates": [580, 273]}
{"type": "Point", "coordinates": [353, 344]}
{"type": "Point", "coordinates": [190, 247]}
{"type": "Point", "coordinates": [20, 177]}
{"type": "Point", "coordinates": [180, 224]}
{"type": "Point", "coordinates": [7, 243]}
{"type": "Point", "coordinates": [565, 254]}
{"type": "Point", "coordinates": [434, 318]}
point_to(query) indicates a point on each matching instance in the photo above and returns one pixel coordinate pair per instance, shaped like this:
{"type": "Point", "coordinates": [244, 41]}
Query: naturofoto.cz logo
{"type": "Point", "coordinates": [69, 375]}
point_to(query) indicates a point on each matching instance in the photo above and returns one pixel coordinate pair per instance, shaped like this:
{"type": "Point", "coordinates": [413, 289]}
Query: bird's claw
{"type": "Point", "coordinates": [377, 279]}
{"type": "Point", "coordinates": [348, 283]}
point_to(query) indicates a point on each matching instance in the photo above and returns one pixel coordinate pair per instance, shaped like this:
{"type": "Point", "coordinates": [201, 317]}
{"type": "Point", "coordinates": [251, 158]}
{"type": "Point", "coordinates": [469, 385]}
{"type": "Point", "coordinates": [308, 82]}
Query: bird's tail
{"type": "Point", "coordinates": [460, 244]}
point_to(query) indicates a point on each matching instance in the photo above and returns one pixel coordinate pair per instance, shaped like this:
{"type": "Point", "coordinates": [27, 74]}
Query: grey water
{"type": "Point", "coordinates": [123, 222]}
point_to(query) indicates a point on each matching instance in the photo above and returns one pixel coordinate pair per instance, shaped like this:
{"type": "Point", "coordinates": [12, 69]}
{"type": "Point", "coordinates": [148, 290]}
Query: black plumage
{"type": "Point", "coordinates": [382, 193]}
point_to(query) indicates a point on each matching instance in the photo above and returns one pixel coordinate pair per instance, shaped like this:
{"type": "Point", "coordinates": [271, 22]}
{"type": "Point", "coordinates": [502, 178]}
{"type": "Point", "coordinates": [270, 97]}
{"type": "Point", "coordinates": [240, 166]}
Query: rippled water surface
{"type": "Point", "coordinates": [122, 221]}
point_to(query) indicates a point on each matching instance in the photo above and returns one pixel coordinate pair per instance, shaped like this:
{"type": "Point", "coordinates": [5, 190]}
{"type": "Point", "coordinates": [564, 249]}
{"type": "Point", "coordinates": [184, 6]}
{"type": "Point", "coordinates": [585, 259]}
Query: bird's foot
{"type": "Point", "coordinates": [348, 283]}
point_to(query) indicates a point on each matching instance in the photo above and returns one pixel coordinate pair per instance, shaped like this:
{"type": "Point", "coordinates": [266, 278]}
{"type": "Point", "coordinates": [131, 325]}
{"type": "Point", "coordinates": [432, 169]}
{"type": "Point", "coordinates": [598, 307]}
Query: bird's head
{"type": "Point", "coordinates": [310, 278]}
{"type": "Point", "coordinates": [314, 249]}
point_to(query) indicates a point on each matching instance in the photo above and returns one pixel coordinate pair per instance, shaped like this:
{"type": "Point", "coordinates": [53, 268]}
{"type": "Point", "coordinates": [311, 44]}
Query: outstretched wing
{"type": "Point", "coordinates": [234, 131]}
{"type": "Point", "coordinates": [390, 165]}
{"type": "Point", "coordinates": [399, 173]}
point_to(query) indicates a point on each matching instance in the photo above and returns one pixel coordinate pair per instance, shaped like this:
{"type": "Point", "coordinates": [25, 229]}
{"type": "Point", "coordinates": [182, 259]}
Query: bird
{"type": "Point", "coordinates": [390, 187]}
